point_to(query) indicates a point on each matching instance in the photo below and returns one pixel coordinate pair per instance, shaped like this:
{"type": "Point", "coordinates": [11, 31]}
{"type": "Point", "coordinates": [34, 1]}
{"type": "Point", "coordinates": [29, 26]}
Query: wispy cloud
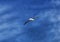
{"type": "Point", "coordinates": [56, 2]}
{"type": "Point", "coordinates": [47, 25]}
{"type": "Point", "coordinates": [4, 8]}
{"type": "Point", "coordinates": [8, 28]}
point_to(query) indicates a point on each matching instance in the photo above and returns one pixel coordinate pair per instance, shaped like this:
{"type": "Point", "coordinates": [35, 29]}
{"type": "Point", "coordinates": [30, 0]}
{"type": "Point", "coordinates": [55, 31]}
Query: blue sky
{"type": "Point", "coordinates": [13, 14]}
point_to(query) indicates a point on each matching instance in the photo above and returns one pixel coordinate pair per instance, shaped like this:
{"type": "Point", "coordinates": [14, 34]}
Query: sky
{"type": "Point", "coordinates": [13, 14]}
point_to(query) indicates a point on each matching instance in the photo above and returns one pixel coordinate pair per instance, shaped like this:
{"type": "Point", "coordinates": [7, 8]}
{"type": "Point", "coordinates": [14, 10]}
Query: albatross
{"type": "Point", "coordinates": [30, 19]}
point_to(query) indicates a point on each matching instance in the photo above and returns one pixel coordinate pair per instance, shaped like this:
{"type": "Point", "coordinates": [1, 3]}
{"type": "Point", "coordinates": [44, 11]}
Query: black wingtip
{"type": "Point", "coordinates": [24, 24]}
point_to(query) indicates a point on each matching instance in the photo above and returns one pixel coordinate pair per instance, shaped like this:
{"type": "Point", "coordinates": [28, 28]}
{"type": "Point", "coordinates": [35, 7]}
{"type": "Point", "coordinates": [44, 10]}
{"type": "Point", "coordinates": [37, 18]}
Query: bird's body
{"type": "Point", "coordinates": [30, 19]}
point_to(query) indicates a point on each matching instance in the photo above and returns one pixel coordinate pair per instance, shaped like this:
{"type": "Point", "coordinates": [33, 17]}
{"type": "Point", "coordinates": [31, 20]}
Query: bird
{"type": "Point", "coordinates": [30, 19]}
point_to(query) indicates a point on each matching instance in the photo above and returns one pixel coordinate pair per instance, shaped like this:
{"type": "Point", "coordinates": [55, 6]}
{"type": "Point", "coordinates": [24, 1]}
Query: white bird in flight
{"type": "Point", "coordinates": [30, 19]}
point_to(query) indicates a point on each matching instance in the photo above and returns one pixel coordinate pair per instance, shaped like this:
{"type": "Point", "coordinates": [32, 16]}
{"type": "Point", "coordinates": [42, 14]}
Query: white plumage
{"type": "Point", "coordinates": [31, 19]}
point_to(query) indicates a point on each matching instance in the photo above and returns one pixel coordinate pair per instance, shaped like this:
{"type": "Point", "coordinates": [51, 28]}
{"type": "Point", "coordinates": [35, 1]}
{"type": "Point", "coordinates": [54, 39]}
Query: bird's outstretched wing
{"type": "Point", "coordinates": [26, 22]}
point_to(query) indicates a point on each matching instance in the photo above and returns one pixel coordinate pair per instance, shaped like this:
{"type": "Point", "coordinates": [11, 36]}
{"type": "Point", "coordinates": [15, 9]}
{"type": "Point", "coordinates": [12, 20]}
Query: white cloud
{"type": "Point", "coordinates": [4, 8]}
{"type": "Point", "coordinates": [17, 28]}
{"type": "Point", "coordinates": [56, 2]}
{"type": "Point", "coordinates": [53, 16]}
